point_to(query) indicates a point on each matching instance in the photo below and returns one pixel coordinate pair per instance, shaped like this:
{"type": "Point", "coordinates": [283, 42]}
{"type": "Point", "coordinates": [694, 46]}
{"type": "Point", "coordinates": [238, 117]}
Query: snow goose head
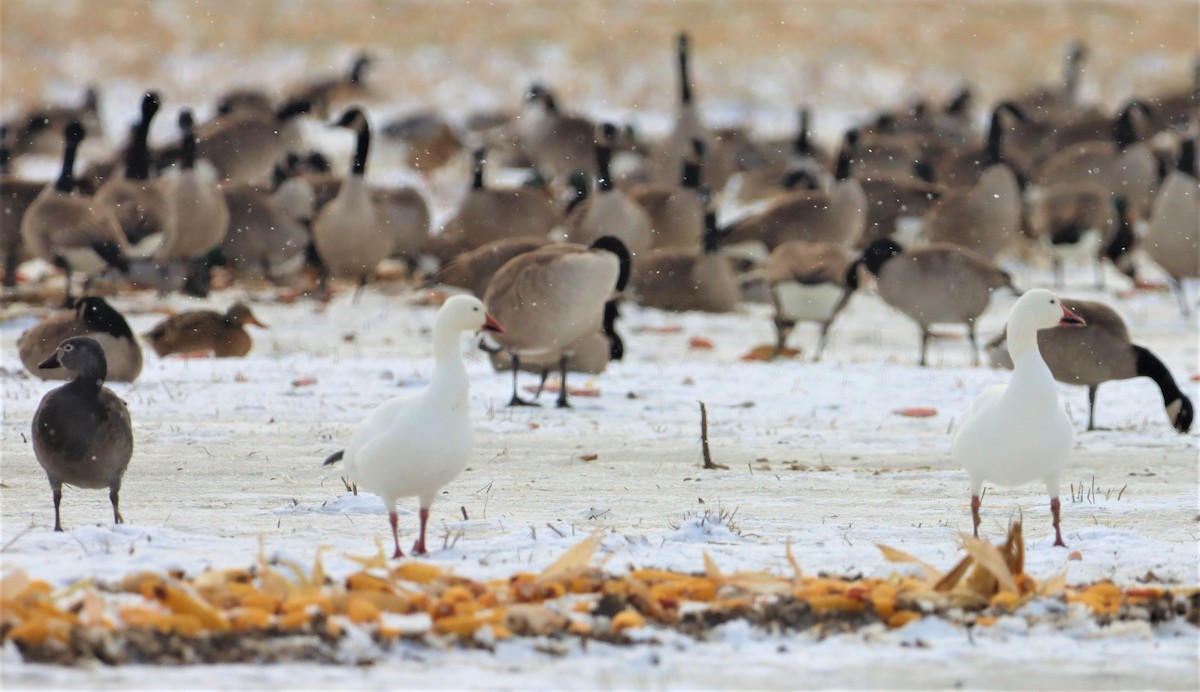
{"type": "Point", "coordinates": [1036, 310]}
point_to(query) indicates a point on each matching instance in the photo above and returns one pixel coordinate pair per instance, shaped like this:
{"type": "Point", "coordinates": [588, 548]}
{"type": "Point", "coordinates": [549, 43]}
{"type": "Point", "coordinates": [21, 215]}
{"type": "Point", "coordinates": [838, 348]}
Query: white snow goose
{"type": "Point", "coordinates": [1018, 432]}
{"type": "Point", "coordinates": [415, 445]}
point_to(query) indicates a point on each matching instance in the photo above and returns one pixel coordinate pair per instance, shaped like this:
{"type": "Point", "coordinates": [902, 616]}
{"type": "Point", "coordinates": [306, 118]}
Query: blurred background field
{"type": "Point", "coordinates": [755, 59]}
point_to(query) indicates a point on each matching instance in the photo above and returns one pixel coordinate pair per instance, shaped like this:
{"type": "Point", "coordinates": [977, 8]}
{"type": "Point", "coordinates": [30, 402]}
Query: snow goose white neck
{"type": "Point", "coordinates": [1018, 432]}
{"type": "Point", "coordinates": [417, 444]}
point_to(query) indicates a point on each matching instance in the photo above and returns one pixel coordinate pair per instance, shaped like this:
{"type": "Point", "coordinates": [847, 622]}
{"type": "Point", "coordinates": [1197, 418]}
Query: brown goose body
{"type": "Point", "coordinates": [839, 216]}
{"type": "Point", "coordinates": [889, 200]}
{"type": "Point", "coordinates": [142, 210]}
{"type": "Point", "coordinates": [474, 270]}
{"type": "Point", "coordinates": [808, 282]}
{"type": "Point", "coordinates": [262, 239]}
{"type": "Point", "coordinates": [985, 218]}
{"type": "Point", "coordinates": [1172, 239]}
{"type": "Point", "coordinates": [205, 330]}
{"type": "Point", "coordinates": [1131, 174]}
{"type": "Point", "coordinates": [91, 317]}
{"type": "Point", "coordinates": [16, 197]}
{"type": "Point", "coordinates": [558, 144]}
{"type": "Point", "coordinates": [682, 279]}
{"type": "Point", "coordinates": [39, 130]}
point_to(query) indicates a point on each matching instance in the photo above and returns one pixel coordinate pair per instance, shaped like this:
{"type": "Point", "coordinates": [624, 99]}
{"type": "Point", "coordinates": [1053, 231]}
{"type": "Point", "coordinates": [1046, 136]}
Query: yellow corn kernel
{"type": "Point", "coordinates": [627, 618]}
{"type": "Point", "coordinates": [901, 618]}
{"type": "Point", "coordinates": [361, 610]}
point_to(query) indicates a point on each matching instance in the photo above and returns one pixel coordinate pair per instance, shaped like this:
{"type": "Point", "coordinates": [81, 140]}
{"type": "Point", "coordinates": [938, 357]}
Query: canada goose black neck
{"type": "Point", "coordinates": [993, 152]}
{"type": "Point", "coordinates": [802, 146]}
{"type": "Point", "coordinates": [137, 157]}
{"type": "Point", "coordinates": [72, 136]}
{"type": "Point", "coordinates": [1148, 365]}
{"type": "Point", "coordinates": [690, 179]}
{"type": "Point", "coordinates": [1124, 131]}
{"type": "Point", "coordinates": [1073, 67]}
{"type": "Point", "coordinates": [187, 149]}
{"type": "Point", "coordinates": [357, 121]}
{"type": "Point", "coordinates": [712, 234]}
{"type": "Point", "coordinates": [961, 101]}
{"type": "Point", "coordinates": [879, 253]}
{"type": "Point", "coordinates": [685, 86]}
{"type": "Point", "coordinates": [846, 156]}
{"type": "Point", "coordinates": [1187, 156]}
{"type": "Point", "coordinates": [614, 245]}
{"type": "Point", "coordinates": [480, 160]}
{"type": "Point", "coordinates": [616, 345]}
{"type": "Point", "coordinates": [356, 71]}
{"type": "Point", "coordinates": [5, 152]}
{"type": "Point", "coordinates": [98, 316]}
{"type": "Point", "coordinates": [1124, 237]}
{"type": "Point", "coordinates": [604, 181]}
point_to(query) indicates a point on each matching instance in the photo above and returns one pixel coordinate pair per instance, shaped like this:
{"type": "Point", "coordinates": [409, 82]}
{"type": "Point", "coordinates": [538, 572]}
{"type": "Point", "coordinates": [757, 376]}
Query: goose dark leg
{"type": "Point", "coordinates": [56, 492]}
{"type": "Point", "coordinates": [394, 520]}
{"type": "Point", "coordinates": [542, 382]}
{"type": "Point", "coordinates": [419, 547]}
{"type": "Point", "coordinates": [516, 400]}
{"type": "Point", "coordinates": [924, 344]}
{"type": "Point", "coordinates": [11, 260]}
{"type": "Point", "coordinates": [1092, 407]}
{"type": "Point", "coordinates": [1054, 510]}
{"type": "Point", "coordinates": [782, 329]}
{"type": "Point", "coordinates": [362, 284]}
{"type": "Point", "coordinates": [821, 343]}
{"type": "Point", "coordinates": [114, 492]}
{"type": "Point", "coordinates": [562, 383]}
{"type": "Point", "coordinates": [974, 343]}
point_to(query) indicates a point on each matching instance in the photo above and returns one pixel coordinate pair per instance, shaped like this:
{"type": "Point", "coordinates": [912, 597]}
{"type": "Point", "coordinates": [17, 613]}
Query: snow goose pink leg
{"type": "Point", "coordinates": [1018, 432]}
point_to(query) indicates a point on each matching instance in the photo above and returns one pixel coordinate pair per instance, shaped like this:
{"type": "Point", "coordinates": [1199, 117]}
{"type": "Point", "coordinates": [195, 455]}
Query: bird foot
{"type": "Point", "coordinates": [398, 554]}
{"type": "Point", "coordinates": [518, 401]}
{"type": "Point", "coordinates": [419, 548]}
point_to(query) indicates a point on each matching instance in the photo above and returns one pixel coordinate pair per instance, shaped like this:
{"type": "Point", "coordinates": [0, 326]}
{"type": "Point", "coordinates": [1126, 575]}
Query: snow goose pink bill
{"type": "Point", "coordinates": [1018, 432]}
{"type": "Point", "coordinates": [415, 445]}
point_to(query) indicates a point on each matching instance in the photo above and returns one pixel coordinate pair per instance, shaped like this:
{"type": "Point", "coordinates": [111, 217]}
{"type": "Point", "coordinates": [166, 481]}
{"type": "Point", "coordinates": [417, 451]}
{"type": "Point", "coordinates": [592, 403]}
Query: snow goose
{"type": "Point", "coordinates": [205, 330]}
{"type": "Point", "coordinates": [553, 297]}
{"type": "Point", "coordinates": [93, 317]}
{"type": "Point", "coordinates": [1018, 432]}
{"type": "Point", "coordinates": [82, 435]}
{"type": "Point", "coordinates": [809, 282]}
{"type": "Point", "coordinates": [1102, 352]}
{"type": "Point", "coordinates": [415, 445]}
{"type": "Point", "coordinates": [935, 284]}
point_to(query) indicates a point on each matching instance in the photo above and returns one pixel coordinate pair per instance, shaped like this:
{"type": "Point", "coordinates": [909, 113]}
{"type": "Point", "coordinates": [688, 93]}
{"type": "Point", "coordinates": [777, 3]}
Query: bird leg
{"type": "Point", "coordinates": [924, 344]}
{"type": "Point", "coordinates": [782, 330]}
{"type": "Point", "coordinates": [394, 520]}
{"type": "Point", "coordinates": [1054, 507]}
{"type": "Point", "coordinates": [113, 497]}
{"type": "Point", "coordinates": [562, 383]}
{"type": "Point", "coordinates": [975, 513]}
{"type": "Point", "coordinates": [56, 491]}
{"type": "Point", "coordinates": [516, 400]}
{"type": "Point", "coordinates": [974, 343]}
{"type": "Point", "coordinates": [542, 382]}
{"type": "Point", "coordinates": [419, 547]}
{"type": "Point", "coordinates": [362, 284]}
{"type": "Point", "coordinates": [1092, 407]}
{"type": "Point", "coordinates": [821, 343]}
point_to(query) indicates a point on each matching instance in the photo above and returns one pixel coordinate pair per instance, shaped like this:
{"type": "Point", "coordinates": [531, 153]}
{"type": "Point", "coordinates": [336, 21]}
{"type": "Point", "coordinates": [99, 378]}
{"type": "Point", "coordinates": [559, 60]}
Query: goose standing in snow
{"type": "Point", "coordinates": [1102, 352]}
{"type": "Point", "coordinates": [82, 435]}
{"type": "Point", "coordinates": [1172, 239]}
{"type": "Point", "coordinates": [417, 444]}
{"type": "Point", "coordinates": [809, 282]}
{"type": "Point", "coordinates": [1018, 432]}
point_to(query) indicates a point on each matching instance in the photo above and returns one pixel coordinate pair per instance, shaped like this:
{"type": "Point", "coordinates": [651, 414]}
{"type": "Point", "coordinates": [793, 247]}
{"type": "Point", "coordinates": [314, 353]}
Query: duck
{"type": "Point", "coordinates": [676, 212]}
{"type": "Point", "coordinates": [486, 214]}
{"type": "Point", "coordinates": [985, 218]}
{"type": "Point", "coordinates": [348, 233]}
{"type": "Point", "coordinates": [558, 144]}
{"type": "Point", "coordinates": [205, 331]}
{"type": "Point", "coordinates": [680, 279]}
{"type": "Point", "coordinates": [82, 431]}
{"type": "Point", "coordinates": [91, 316]}
{"type": "Point", "coordinates": [140, 204]}
{"type": "Point", "coordinates": [609, 211]}
{"type": "Point", "coordinates": [553, 297]}
{"type": "Point", "coordinates": [1018, 432]}
{"type": "Point", "coordinates": [16, 196]}
{"type": "Point", "coordinates": [474, 270]}
{"type": "Point", "coordinates": [1103, 351]}
{"type": "Point", "coordinates": [935, 284]}
{"type": "Point", "coordinates": [1171, 237]}
{"type": "Point", "coordinates": [809, 282]}
{"type": "Point", "coordinates": [415, 445]}
{"type": "Point", "coordinates": [71, 232]}
{"type": "Point", "coordinates": [199, 210]}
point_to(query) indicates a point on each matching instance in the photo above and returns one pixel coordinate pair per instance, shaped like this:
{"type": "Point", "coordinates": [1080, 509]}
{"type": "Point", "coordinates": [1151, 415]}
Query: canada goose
{"type": "Point", "coordinates": [663, 165]}
{"type": "Point", "coordinates": [40, 130]}
{"type": "Point", "coordinates": [474, 270]}
{"type": "Point", "coordinates": [680, 279]}
{"type": "Point", "coordinates": [890, 200]}
{"type": "Point", "coordinates": [557, 144]}
{"type": "Point", "coordinates": [554, 297]}
{"type": "Point", "coordinates": [486, 214]}
{"type": "Point", "coordinates": [1051, 102]}
{"type": "Point", "coordinates": [432, 142]}
{"type": "Point", "coordinates": [82, 434]}
{"type": "Point", "coordinates": [985, 218]}
{"type": "Point", "coordinates": [16, 196]}
{"type": "Point", "coordinates": [245, 100]}
{"type": "Point", "coordinates": [1177, 106]}
{"type": "Point", "coordinates": [403, 212]}
{"type": "Point", "coordinates": [348, 233]}
{"type": "Point", "coordinates": [1171, 238]}
{"type": "Point", "coordinates": [1074, 221]}
{"type": "Point", "coordinates": [200, 214]}
{"type": "Point", "coordinates": [809, 282]}
{"type": "Point", "coordinates": [323, 94]}
{"type": "Point", "coordinates": [837, 216]}
{"type": "Point", "coordinates": [205, 330]}
{"type": "Point", "coordinates": [1124, 166]}
{"type": "Point", "coordinates": [268, 233]}
{"type": "Point", "coordinates": [139, 204]}
{"type": "Point", "coordinates": [93, 317]}
{"type": "Point", "coordinates": [243, 146]}
{"type": "Point", "coordinates": [676, 211]}
{"type": "Point", "coordinates": [73, 233]}
{"type": "Point", "coordinates": [1012, 138]}
{"type": "Point", "coordinates": [935, 284]}
{"type": "Point", "coordinates": [797, 159]}
{"type": "Point", "coordinates": [1101, 352]}
{"type": "Point", "coordinates": [609, 211]}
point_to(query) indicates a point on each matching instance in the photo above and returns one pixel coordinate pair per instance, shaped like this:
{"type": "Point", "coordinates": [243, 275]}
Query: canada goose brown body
{"type": "Point", "coordinates": [1073, 220]}
{"type": "Point", "coordinates": [16, 196]}
{"type": "Point", "coordinates": [809, 282]}
{"type": "Point", "coordinates": [1131, 173]}
{"type": "Point", "coordinates": [669, 155]}
{"type": "Point", "coordinates": [839, 216]}
{"type": "Point", "coordinates": [1172, 239]}
{"type": "Point", "coordinates": [609, 211]}
{"type": "Point", "coordinates": [889, 200]}
{"type": "Point", "coordinates": [557, 143]}
{"type": "Point", "coordinates": [432, 142]}
{"type": "Point", "coordinates": [244, 146]}
{"type": "Point", "coordinates": [935, 284]}
{"type": "Point", "coordinates": [200, 214]}
{"type": "Point", "coordinates": [325, 93]}
{"type": "Point", "coordinates": [139, 204]}
{"type": "Point", "coordinates": [263, 239]}
{"type": "Point", "coordinates": [474, 270]}
{"type": "Point", "coordinates": [91, 317]}
{"type": "Point", "coordinates": [555, 297]}
{"type": "Point", "coordinates": [205, 330]}
{"type": "Point", "coordinates": [82, 433]}
{"type": "Point", "coordinates": [1103, 351]}
{"type": "Point", "coordinates": [681, 279]}
{"type": "Point", "coordinates": [1060, 99]}
{"type": "Point", "coordinates": [985, 218]}
{"type": "Point", "coordinates": [676, 212]}
{"type": "Point", "coordinates": [40, 130]}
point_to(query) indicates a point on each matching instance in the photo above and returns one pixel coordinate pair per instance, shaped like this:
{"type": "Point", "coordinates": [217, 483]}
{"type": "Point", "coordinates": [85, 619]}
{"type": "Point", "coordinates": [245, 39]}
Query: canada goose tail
{"type": "Point", "coordinates": [614, 245]}
{"type": "Point", "coordinates": [334, 458]}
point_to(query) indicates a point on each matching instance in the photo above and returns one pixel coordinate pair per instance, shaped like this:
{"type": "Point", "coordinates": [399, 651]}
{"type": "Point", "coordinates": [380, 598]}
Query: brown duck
{"type": "Point", "coordinates": [205, 330]}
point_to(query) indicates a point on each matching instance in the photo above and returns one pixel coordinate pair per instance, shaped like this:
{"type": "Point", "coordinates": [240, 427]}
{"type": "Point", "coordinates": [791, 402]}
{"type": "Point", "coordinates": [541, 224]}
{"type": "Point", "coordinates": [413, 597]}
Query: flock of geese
{"type": "Point", "coordinates": [913, 202]}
